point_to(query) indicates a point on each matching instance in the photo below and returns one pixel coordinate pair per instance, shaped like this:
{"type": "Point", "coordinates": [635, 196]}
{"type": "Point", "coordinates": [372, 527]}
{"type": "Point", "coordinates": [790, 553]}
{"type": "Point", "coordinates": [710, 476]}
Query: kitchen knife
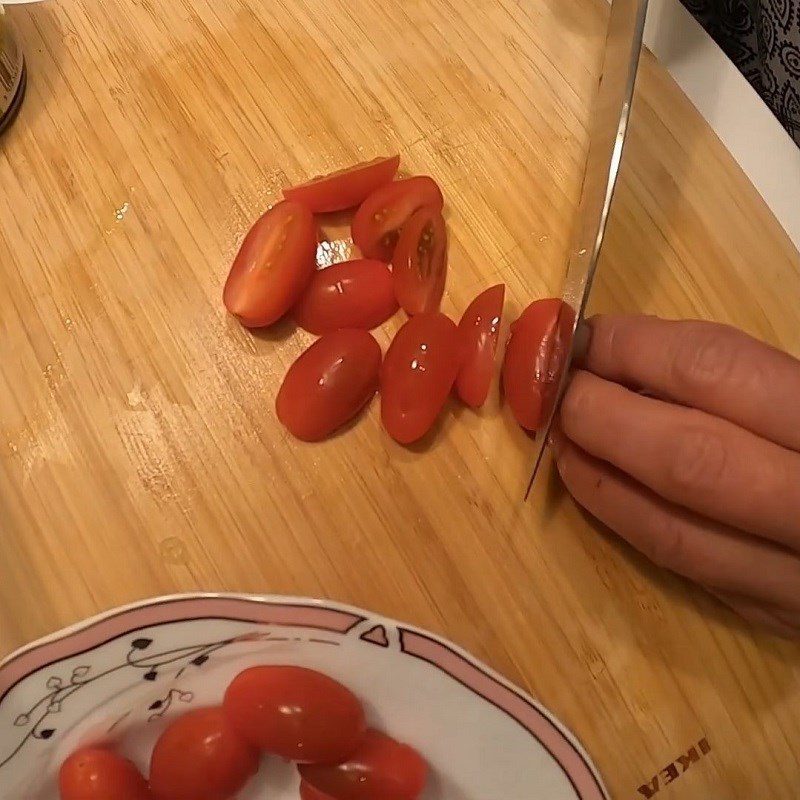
{"type": "Point", "coordinates": [608, 128]}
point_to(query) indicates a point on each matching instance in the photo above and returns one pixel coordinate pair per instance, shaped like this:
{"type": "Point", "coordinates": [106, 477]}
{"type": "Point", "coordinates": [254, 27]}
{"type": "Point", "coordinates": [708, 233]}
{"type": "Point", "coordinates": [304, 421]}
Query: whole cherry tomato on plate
{"type": "Point", "coordinates": [345, 188]}
{"type": "Point", "coordinates": [329, 384]}
{"type": "Point", "coordinates": [273, 266]}
{"type": "Point", "coordinates": [352, 294]}
{"type": "Point", "coordinates": [377, 223]}
{"type": "Point", "coordinates": [419, 265]}
{"type": "Point", "coordinates": [95, 773]}
{"type": "Point", "coordinates": [479, 329]}
{"type": "Point", "coordinates": [534, 357]}
{"type": "Point", "coordinates": [418, 374]}
{"type": "Point", "coordinates": [295, 713]}
{"type": "Point", "coordinates": [201, 757]}
{"type": "Point", "coordinates": [380, 769]}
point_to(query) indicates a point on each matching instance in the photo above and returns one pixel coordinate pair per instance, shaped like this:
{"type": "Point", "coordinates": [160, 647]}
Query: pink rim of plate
{"type": "Point", "coordinates": [323, 616]}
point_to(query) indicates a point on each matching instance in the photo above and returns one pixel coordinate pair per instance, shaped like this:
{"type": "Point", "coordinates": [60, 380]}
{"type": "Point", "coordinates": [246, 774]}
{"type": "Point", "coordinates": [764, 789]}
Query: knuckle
{"type": "Point", "coordinates": [698, 461]}
{"type": "Point", "coordinates": [706, 356]}
{"type": "Point", "coordinates": [668, 546]}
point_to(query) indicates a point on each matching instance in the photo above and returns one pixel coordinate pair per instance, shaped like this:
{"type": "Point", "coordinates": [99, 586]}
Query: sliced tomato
{"type": "Point", "coordinates": [273, 266]}
{"type": "Point", "coordinates": [479, 329]}
{"type": "Point", "coordinates": [377, 223]}
{"type": "Point", "coordinates": [329, 384]}
{"type": "Point", "coordinates": [296, 713]}
{"type": "Point", "coordinates": [95, 773]}
{"type": "Point", "coordinates": [352, 294]}
{"type": "Point", "coordinates": [308, 792]}
{"type": "Point", "coordinates": [201, 757]}
{"type": "Point", "coordinates": [380, 769]}
{"type": "Point", "coordinates": [418, 374]}
{"type": "Point", "coordinates": [419, 266]}
{"type": "Point", "coordinates": [345, 188]}
{"type": "Point", "coordinates": [534, 359]}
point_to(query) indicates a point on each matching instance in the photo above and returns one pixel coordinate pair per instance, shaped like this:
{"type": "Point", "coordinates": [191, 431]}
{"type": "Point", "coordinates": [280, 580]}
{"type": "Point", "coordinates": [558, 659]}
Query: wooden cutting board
{"type": "Point", "coordinates": [140, 450]}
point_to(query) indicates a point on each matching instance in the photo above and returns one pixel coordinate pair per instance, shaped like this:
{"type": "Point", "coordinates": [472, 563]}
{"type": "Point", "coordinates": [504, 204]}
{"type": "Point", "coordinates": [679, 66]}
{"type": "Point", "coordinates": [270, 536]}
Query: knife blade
{"type": "Point", "coordinates": [607, 131]}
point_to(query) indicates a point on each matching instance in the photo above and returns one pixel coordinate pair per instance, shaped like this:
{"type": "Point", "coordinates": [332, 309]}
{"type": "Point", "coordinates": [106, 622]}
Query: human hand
{"type": "Point", "coordinates": [684, 438]}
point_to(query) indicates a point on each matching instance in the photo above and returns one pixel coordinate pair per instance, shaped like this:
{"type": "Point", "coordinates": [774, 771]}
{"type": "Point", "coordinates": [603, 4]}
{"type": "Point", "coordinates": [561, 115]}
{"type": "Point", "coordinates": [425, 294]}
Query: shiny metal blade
{"type": "Point", "coordinates": [609, 126]}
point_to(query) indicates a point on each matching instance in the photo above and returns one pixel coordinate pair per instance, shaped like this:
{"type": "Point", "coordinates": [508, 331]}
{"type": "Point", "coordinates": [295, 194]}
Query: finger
{"type": "Point", "coordinates": [764, 616]}
{"type": "Point", "coordinates": [703, 551]}
{"type": "Point", "coordinates": [711, 367]}
{"type": "Point", "coordinates": [690, 458]}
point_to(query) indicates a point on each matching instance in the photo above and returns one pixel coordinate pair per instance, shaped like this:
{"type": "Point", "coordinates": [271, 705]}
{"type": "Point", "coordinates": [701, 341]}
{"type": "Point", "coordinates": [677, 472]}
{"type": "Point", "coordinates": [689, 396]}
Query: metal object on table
{"type": "Point", "coordinates": [609, 126]}
{"type": "Point", "coordinates": [13, 76]}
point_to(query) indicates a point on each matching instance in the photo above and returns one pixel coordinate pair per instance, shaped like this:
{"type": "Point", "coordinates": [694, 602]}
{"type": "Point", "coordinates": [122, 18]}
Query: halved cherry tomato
{"type": "Point", "coordinates": [377, 223]}
{"type": "Point", "coordinates": [345, 188]}
{"type": "Point", "coordinates": [479, 329]}
{"type": "Point", "coordinates": [201, 757]}
{"type": "Point", "coordinates": [380, 769]}
{"type": "Point", "coordinates": [274, 265]}
{"type": "Point", "coordinates": [352, 294]}
{"type": "Point", "coordinates": [329, 384]}
{"type": "Point", "coordinates": [308, 792]}
{"type": "Point", "coordinates": [534, 358]}
{"type": "Point", "coordinates": [296, 713]}
{"type": "Point", "coordinates": [419, 266]}
{"type": "Point", "coordinates": [418, 374]}
{"type": "Point", "coordinates": [95, 773]}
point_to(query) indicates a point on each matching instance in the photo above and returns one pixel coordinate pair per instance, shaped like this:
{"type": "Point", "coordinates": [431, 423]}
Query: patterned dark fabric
{"type": "Point", "coordinates": [762, 37]}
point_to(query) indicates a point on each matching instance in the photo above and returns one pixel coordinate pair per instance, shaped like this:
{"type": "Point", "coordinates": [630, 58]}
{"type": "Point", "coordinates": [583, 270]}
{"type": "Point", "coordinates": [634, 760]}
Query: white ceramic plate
{"type": "Point", "coordinates": [118, 677]}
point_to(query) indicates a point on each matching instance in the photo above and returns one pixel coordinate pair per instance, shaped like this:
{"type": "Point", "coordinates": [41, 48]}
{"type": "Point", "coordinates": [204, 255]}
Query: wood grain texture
{"type": "Point", "coordinates": [139, 449]}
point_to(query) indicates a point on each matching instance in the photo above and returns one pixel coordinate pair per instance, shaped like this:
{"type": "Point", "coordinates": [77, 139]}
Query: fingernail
{"type": "Point", "coordinates": [582, 340]}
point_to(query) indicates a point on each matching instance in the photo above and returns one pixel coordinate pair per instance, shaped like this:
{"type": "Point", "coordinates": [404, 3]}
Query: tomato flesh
{"type": "Point", "coordinates": [419, 266]}
{"type": "Point", "coordinates": [380, 769]}
{"type": "Point", "coordinates": [95, 773]}
{"type": "Point", "coordinates": [479, 329]}
{"type": "Point", "coordinates": [344, 188]}
{"type": "Point", "coordinates": [201, 757]}
{"type": "Point", "coordinates": [295, 713]}
{"type": "Point", "coordinates": [351, 294]}
{"type": "Point", "coordinates": [273, 266]}
{"type": "Point", "coordinates": [308, 792]}
{"type": "Point", "coordinates": [418, 374]}
{"type": "Point", "coordinates": [377, 223]}
{"type": "Point", "coordinates": [534, 358]}
{"type": "Point", "coordinates": [329, 384]}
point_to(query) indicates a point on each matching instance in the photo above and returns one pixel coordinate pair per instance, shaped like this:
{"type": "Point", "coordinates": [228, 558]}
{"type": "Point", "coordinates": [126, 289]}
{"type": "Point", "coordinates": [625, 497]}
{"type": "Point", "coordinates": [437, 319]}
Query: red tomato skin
{"type": "Point", "coordinates": [345, 188]}
{"type": "Point", "coordinates": [380, 769]}
{"type": "Point", "coordinates": [94, 773]}
{"type": "Point", "coordinates": [530, 375]}
{"type": "Point", "coordinates": [201, 757]}
{"type": "Point", "coordinates": [352, 294]}
{"type": "Point", "coordinates": [478, 330]}
{"type": "Point", "coordinates": [308, 792]}
{"type": "Point", "coordinates": [274, 265]}
{"type": "Point", "coordinates": [419, 265]}
{"type": "Point", "coordinates": [329, 384]}
{"type": "Point", "coordinates": [380, 217]}
{"type": "Point", "coordinates": [326, 722]}
{"type": "Point", "coordinates": [417, 375]}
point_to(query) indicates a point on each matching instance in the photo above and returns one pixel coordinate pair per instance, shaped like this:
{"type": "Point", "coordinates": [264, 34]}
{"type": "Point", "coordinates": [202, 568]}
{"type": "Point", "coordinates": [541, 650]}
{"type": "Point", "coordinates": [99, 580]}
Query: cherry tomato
{"type": "Point", "coordinates": [274, 265]}
{"type": "Point", "coordinates": [380, 769]}
{"type": "Point", "coordinates": [534, 358]}
{"type": "Point", "coordinates": [479, 329]}
{"type": "Point", "coordinates": [308, 792]}
{"type": "Point", "coordinates": [353, 294]}
{"type": "Point", "coordinates": [329, 384]}
{"type": "Point", "coordinates": [201, 757]}
{"type": "Point", "coordinates": [296, 713]}
{"type": "Point", "coordinates": [419, 266]}
{"type": "Point", "coordinates": [418, 374]}
{"type": "Point", "coordinates": [98, 774]}
{"type": "Point", "coordinates": [346, 188]}
{"type": "Point", "coordinates": [377, 223]}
